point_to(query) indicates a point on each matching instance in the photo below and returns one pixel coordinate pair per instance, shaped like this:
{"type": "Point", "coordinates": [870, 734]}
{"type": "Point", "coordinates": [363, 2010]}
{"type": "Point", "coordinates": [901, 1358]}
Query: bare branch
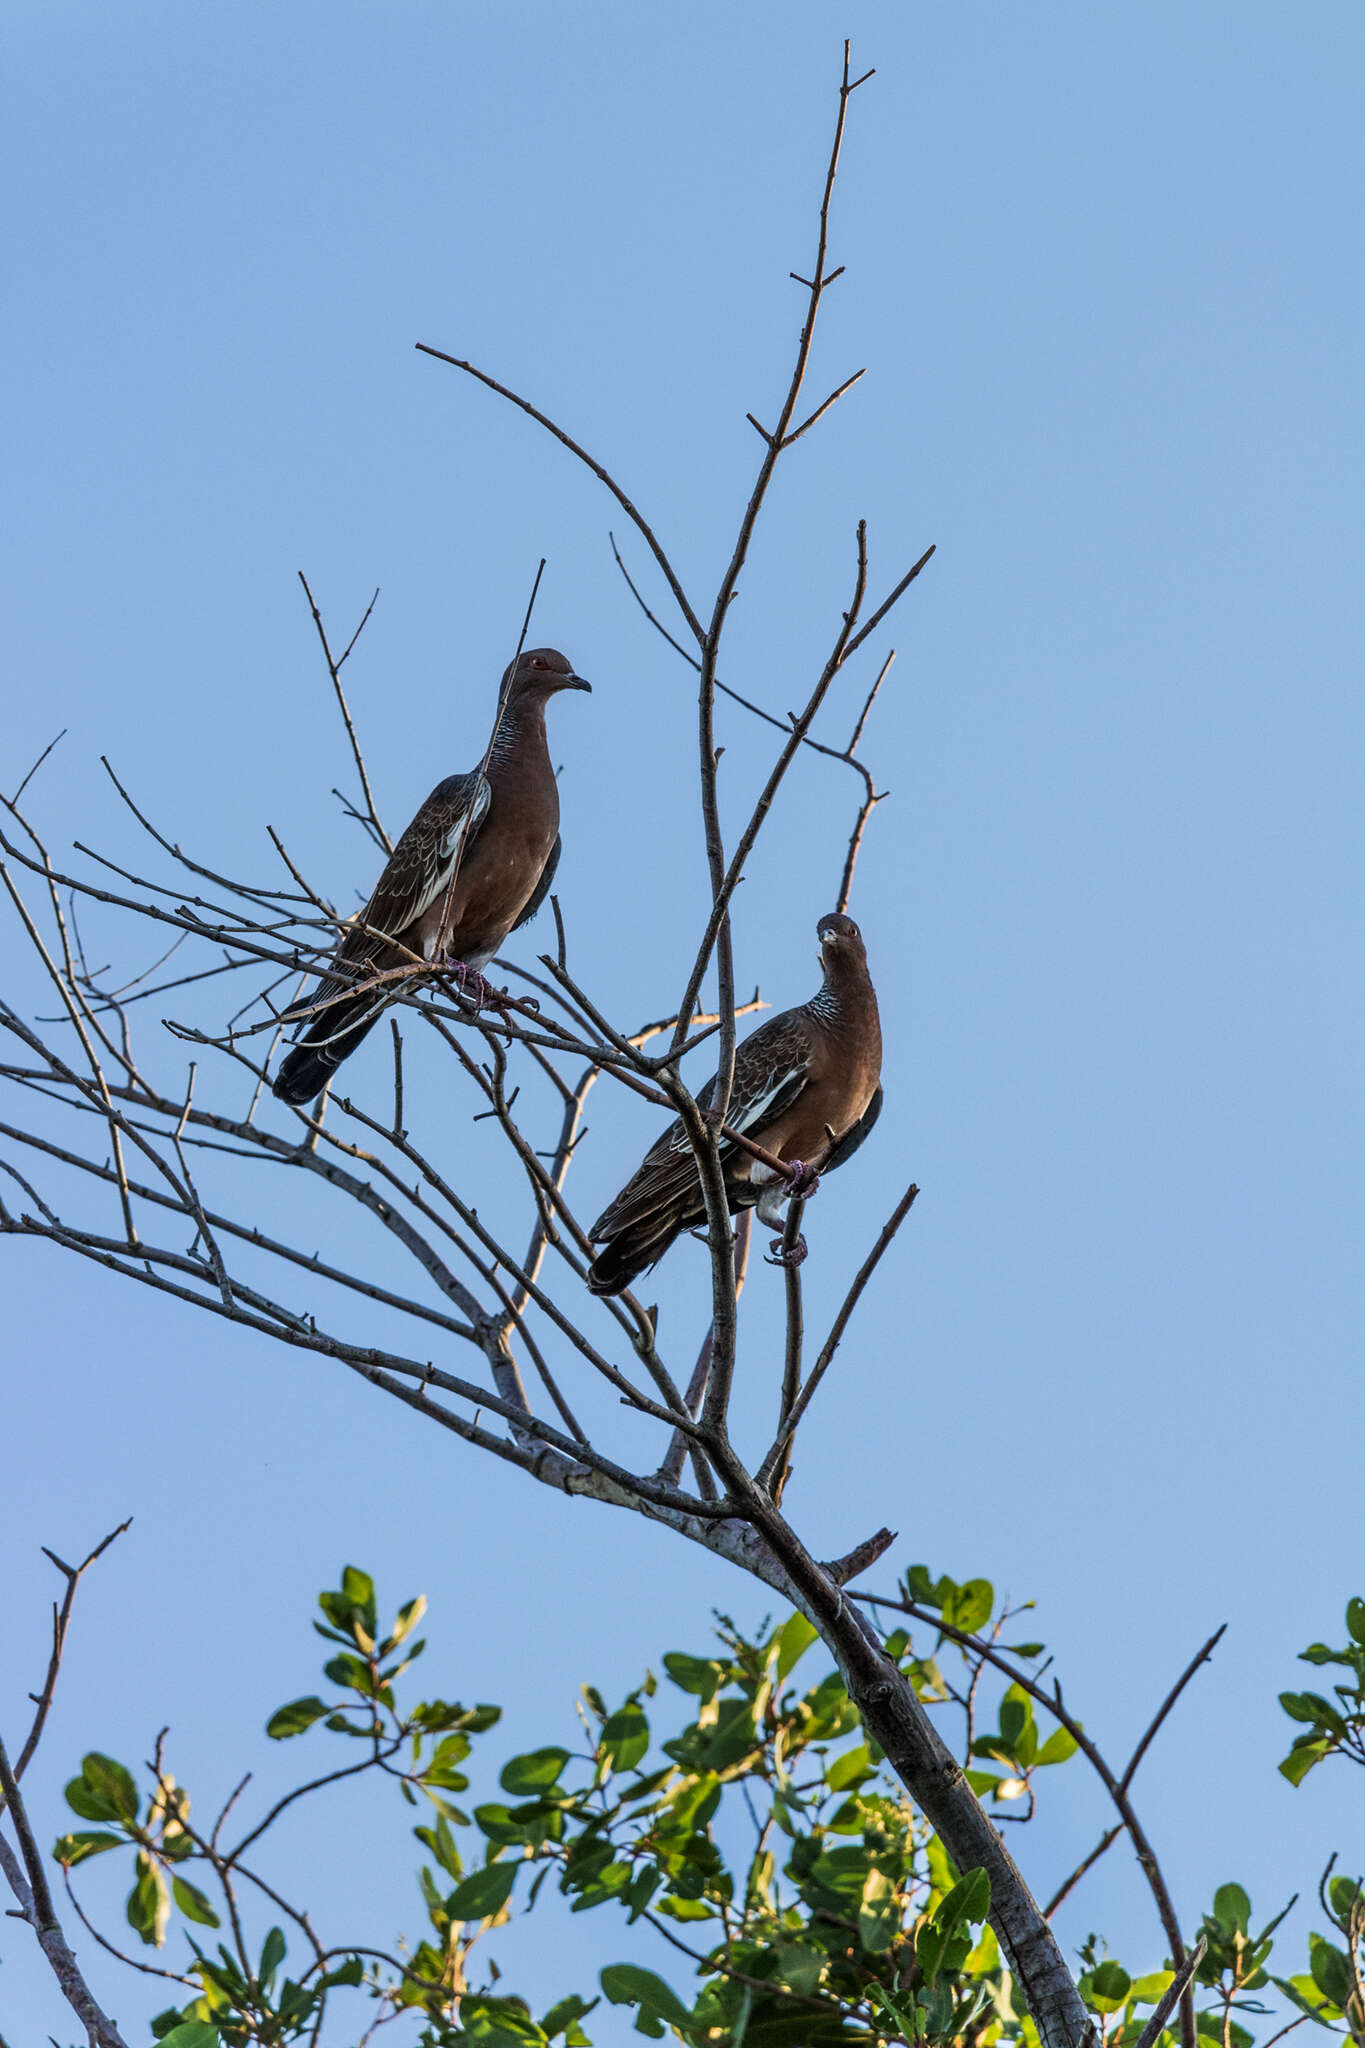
{"type": "Point", "coordinates": [602, 474]}
{"type": "Point", "coordinates": [61, 1622]}
{"type": "Point", "coordinates": [841, 1320]}
{"type": "Point", "coordinates": [12, 801]}
{"type": "Point", "coordinates": [334, 668]}
{"type": "Point", "coordinates": [28, 1882]}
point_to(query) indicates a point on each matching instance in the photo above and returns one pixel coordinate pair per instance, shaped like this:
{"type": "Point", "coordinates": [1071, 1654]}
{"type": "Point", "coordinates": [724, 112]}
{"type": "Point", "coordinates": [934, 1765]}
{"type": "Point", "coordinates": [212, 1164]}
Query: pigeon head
{"type": "Point", "coordinates": [838, 934]}
{"type": "Point", "coordinates": [540, 672]}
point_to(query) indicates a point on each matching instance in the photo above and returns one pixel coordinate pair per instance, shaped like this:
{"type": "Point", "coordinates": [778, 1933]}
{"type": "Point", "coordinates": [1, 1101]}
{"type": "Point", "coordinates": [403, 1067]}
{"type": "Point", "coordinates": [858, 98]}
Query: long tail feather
{"type": "Point", "coordinates": [332, 1036]}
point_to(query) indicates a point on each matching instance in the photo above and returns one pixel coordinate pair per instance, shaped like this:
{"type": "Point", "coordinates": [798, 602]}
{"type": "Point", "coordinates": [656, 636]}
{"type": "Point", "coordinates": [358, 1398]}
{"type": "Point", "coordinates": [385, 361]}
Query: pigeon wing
{"type": "Point", "coordinates": [854, 1137]}
{"type": "Point", "coordinates": [542, 888]}
{"type": "Point", "coordinates": [418, 869]}
{"type": "Point", "coordinates": [770, 1072]}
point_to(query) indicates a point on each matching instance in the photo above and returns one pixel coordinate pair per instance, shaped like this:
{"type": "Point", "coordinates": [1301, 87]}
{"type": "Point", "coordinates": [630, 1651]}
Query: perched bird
{"type": "Point", "coordinates": [475, 864]}
{"type": "Point", "coordinates": [807, 1088]}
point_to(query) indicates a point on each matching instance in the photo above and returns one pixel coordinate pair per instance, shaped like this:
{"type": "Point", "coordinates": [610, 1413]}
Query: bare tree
{"type": "Point", "coordinates": [102, 1104]}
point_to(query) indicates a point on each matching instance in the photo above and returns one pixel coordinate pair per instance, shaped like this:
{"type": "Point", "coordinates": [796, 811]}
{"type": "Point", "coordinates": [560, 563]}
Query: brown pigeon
{"type": "Point", "coordinates": [807, 1088]}
{"type": "Point", "coordinates": [475, 864]}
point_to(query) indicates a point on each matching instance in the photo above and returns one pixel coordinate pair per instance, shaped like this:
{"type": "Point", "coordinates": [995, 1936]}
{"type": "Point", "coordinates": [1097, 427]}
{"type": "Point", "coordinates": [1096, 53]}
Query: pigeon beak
{"type": "Point", "coordinates": [572, 682]}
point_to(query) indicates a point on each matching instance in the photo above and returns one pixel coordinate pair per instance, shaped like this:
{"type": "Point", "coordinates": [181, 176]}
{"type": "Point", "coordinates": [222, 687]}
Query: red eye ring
{"type": "Point", "coordinates": [537, 662]}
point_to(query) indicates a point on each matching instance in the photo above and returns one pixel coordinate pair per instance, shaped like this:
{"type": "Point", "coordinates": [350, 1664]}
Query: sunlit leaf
{"type": "Point", "coordinates": [534, 1772]}
{"type": "Point", "coordinates": [625, 1737]}
{"type": "Point", "coordinates": [484, 1892]}
{"type": "Point", "coordinates": [1110, 1985]}
{"type": "Point", "coordinates": [1330, 1970]}
{"type": "Point", "coordinates": [624, 1984]}
{"type": "Point", "coordinates": [105, 1790]}
{"type": "Point", "coordinates": [149, 1903]}
{"type": "Point", "coordinates": [193, 1903]}
{"type": "Point", "coordinates": [295, 1717]}
{"type": "Point", "coordinates": [967, 1607]}
{"type": "Point", "coordinates": [73, 1849]}
{"type": "Point", "coordinates": [879, 1919]}
{"type": "Point", "coordinates": [698, 1675]}
{"type": "Point", "coordinates": [793, 1639]}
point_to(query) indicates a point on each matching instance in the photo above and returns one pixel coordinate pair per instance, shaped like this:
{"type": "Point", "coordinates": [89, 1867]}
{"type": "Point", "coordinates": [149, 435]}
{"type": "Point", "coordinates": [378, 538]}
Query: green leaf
{"type": "Point", "coordinates": [1110, 1985]}
{"type": "Point", "coordinates": [489, 2022]}
{"type": "Point", "coordinates": [1151, 1989]}
{"type": "Point", "coordinates": [273, 1952]}
{"type": "Point", "coordinates": [294, 1718]}
{"type": "Point", "coordinates": [1298, 1706]}
{"type": "Point", "coordinates": [969, 1900]}
{"type": "Point", "coordinates": [1060, 1745]}
{"type": "Point", "coordinates": [70, 1850]}
{"type": "Point", "coordinates": [900, 2010]}
{"type": "Point", "coordinates": [1016, 1712]}
{"type": "Point", "coordinates": [408, 1617]}
{"type": "Point", "coordinates": [441, 1843]}
{"type": "Point", "coordinates": [793, 1640]}
{"type": "Point", "coordinates": [685, 1909]}
{"type": "Point", "coordinates": [536, 1772]}
{"type": "Point", "coordinates": [641, 1890]}
{"type": "Point", "coordinates": [967, 1607]}
{"type": "Point", "coordinates": [733, 1736]}
{"type": "Point", "coordinates": [930, 1942]}
{"type": "Point", "coordinates": [925, 1590]}
{"type": "Point", "coordinates": [700, 1675]}
{"type": "Point", "coordinates": [1325, 1712]}
{"type": "Point", "coordinates": [449, 1752]}
{"type": "Point", "coordinates": [104, 1791]}
{"type": "Point", "coordinates": [566, 2014]}
{"type": "Point", "coordinates": [981, 1782]}
{"type": "Point", "coordinates": [193, 1903]}
{"type": "Point", "coordinates": [149, 1903]}
{"type": "Point", "coordinates": [1232, 1909]}
{"type": "Point", "coordinates": [879, 1919]}
{"type": "Point", "coordinates": [1302, 1758]}
{"type": "Point", "coordinates": [852, 1768]}
{"type": "Point", "coordinates": [1331, 1971]}
{"type": "Point", "coordinates": [483, 1893]}
{"type": "Point", "coordinates": [193, 2034]}
{"type": "Point", "coordinates": [1355, 1619]}
{"type": "Point", "coordinates": [625, 1737]}
{"type": "Point", "coordinates": [1343, 1893]}
{"type": "Point", "coordinates": [800, 1968]}
{"type": "Point", "coordinates": [1304, 1993]}
{"type": "Point", "coordinates": [352, 1672]}
{"type": "Point", "coordinates": [625, 1984]}
{"type": "Point", "coordinates": [358, 1587]}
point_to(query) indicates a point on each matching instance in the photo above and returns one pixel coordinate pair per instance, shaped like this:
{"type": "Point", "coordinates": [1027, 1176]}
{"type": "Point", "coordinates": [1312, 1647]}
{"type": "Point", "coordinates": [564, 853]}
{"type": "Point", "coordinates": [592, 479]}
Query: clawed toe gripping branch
{"type": "Point", "coordinates": [575, 1392]}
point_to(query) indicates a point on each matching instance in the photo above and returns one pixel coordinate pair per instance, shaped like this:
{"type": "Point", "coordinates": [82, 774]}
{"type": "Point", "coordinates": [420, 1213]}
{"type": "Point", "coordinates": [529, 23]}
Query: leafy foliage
{"type": "Point", "coordinates": [1334, 1727]}
{"type": "Point", "coordinates": [789, 1894]}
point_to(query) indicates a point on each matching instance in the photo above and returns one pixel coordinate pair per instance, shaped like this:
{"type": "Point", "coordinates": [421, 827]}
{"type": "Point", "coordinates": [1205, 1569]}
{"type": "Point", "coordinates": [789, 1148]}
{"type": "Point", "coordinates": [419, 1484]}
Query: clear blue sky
{"type": "Point", "coordinates": [1104, 269]}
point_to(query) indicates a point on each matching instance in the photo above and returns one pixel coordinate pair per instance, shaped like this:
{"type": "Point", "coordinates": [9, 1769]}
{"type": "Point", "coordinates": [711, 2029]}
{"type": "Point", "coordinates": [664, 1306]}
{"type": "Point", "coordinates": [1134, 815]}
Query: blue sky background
{"type": "Point", "coordinates": [1104, 270]}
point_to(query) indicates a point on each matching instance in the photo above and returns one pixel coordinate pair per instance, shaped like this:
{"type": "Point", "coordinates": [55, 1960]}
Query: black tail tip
{"type": "Point", "coordinates": [300, 1080]}
{"type": "Point", "coordinates": [609, 1273]}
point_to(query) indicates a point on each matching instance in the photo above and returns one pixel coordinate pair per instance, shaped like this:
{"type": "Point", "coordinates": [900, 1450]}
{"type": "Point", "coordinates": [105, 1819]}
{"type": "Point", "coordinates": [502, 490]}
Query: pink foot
{"type": "Point", "coordinates": [802, 1180]}
{"type": "Point", "coordinates": [475, 987]}
{"type": "Point", "coordinates": [795, 1257]}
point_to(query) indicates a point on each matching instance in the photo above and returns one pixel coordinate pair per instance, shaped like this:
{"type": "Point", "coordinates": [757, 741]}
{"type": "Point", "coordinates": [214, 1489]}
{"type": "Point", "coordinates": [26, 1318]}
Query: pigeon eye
{"type": "Point", "coordinates": [537, 663]}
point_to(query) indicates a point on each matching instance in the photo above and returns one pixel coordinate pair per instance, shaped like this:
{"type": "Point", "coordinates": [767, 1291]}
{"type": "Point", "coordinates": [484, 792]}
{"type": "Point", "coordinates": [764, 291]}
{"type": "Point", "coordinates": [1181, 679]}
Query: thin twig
{"type": "Point", "coordinates": [334, 669]}
{"type": "Point", "coordinates": [61, 1622]}
{"type": "Point", "coordinates": [37, 765]}
{"type": "Point", "coordinates": [841, 1320]}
